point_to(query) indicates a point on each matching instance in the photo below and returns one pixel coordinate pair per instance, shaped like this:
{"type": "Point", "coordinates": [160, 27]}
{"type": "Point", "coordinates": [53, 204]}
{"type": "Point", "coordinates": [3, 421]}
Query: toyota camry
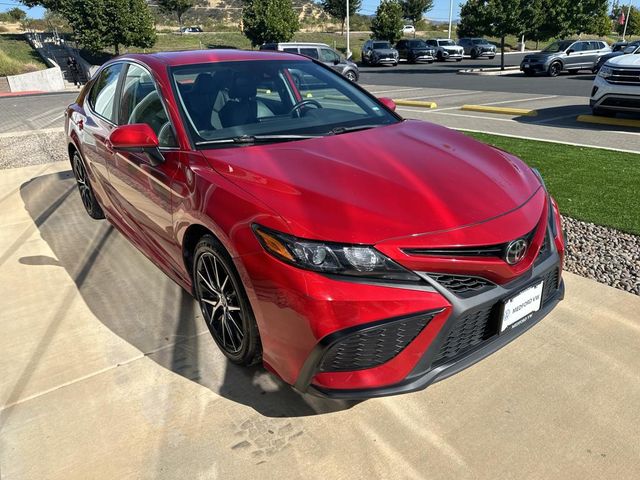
{"type": "Point", "coordinates": [354, 253]}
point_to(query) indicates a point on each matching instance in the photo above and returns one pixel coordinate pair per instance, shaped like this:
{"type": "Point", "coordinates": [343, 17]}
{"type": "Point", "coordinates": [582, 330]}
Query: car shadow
{"type": "Point", "coordinates": [137, 302]}
{"type": "Point", "coordinates": [565, 117]}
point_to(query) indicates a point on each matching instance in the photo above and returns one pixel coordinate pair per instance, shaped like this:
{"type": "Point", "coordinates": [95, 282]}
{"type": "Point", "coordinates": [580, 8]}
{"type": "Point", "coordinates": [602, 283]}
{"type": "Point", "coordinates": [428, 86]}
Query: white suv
{"type": "Point", "coordinates": [617, 86]}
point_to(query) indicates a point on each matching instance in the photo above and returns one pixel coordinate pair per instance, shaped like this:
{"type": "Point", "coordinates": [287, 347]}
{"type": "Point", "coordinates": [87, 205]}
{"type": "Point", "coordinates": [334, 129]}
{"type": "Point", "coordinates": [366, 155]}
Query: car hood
{"type": "Point", "coordinates": [625, 61]}
{"type": "Point", "coordinates": [365, 187]}
{"type": "Point", "coordinates": [541, 55]}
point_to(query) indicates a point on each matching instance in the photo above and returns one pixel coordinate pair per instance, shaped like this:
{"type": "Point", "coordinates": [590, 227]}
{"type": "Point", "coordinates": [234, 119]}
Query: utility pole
{"type": "Point", "coordinates": [450, 16]}
{"type": "Point", "coordinates": [626, 23]}
{"type": "Point", "coordinates": [348, 49]}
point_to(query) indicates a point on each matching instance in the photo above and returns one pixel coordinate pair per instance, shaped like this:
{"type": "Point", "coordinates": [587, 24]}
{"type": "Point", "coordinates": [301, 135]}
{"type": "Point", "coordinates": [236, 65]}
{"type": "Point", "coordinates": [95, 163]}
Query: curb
{"type": "Point", "coordinates": [415, 103]}
{"type": "Point", "coordinates": [502, 110]}
{"type": "Point", "coordinates": [615, 122]}
{"type": "Point", "coordinates": [510, 70]}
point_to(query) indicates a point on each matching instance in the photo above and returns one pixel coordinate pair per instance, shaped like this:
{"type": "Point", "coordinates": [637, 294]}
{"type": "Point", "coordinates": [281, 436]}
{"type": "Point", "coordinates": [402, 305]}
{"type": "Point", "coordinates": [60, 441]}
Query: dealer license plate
{"type": "Point", "coordinates": [519, 308]}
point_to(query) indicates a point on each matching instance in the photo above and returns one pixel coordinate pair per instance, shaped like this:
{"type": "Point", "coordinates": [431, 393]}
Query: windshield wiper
{"type": "Point", "coordinates": [249, 139]}
{"type": "Point", "coordinates": [340, 130]}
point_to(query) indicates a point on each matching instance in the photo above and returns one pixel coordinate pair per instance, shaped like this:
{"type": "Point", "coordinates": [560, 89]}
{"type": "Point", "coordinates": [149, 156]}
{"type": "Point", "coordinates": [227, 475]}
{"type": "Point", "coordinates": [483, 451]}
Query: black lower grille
{"type": "Point", "coordinates": [476, 327]}
{"type": "Point", "coordinates": [621, 102]}
{"type": "Point", "coordinates": [468, 332]}
{"type": "Point", "coordinates": [461, 285]}
{"type": "Point", "coordinates": [373, 346]}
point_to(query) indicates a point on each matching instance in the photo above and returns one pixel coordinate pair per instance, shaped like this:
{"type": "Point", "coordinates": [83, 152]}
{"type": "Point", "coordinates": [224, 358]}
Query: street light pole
{"type": "Point", "coordinates": [450, 16]}
{"type": "Point", "coordinates": [626, 23]}
{"type": "Point", "coordinates": [348, 50]}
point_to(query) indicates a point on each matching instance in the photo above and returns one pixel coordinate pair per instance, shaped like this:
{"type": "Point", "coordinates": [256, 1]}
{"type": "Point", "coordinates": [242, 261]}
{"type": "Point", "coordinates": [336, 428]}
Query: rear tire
{"type": "Point", "coordinates": [351, 76]}
{"type": "Point", "coordinates": [91, 205]}
{"type": "Point", "coordinates": [574, 71]}
{"type": "Point", "coordinates": [224, 303]}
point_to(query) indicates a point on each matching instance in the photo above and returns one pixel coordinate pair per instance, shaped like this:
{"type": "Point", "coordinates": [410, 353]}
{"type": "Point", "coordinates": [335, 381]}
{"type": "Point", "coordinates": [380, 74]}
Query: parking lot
{"type": "Point", "coordinates": [109, 370]}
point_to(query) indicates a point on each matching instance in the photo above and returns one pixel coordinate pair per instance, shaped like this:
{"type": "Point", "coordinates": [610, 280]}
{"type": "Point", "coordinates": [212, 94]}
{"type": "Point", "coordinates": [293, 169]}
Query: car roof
{"type": "Point", "coordinates": [192, 57]}
{"type": "Point", "coordinates": [299, 44]}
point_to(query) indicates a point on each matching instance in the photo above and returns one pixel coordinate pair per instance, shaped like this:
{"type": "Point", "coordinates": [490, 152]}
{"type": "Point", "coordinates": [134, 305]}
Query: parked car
{"type": "Point", "coordinates": [408, 30]}
{"type": "Point", "coordinates": [630, 49]}
{"type": "Point", "coordinates": [354, 253]}
{"type": "Point", "coordinates": [616, 88]}
{"type": "Point", "coordinates": [414, 51]}
{"type": "Point", "coordinates": [321, 52]}
{"type": "Point", "coordinates": [379, 52]}
{"type": "Point", "coordinates": [619, 46]}
{"type": "Point", "coordinates": [446, 49]}
{"type": "Point", "coordinates": [477, 47]}
{"type": "Point", "coordinates": [569, 55]}
{"type": "Point", "coordinates": [191, 30]}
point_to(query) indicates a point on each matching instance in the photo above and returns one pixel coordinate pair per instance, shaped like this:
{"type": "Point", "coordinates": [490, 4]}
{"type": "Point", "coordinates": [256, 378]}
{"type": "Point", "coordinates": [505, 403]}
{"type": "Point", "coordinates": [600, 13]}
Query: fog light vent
{"type": "Point", "coordinates": [373, 346]}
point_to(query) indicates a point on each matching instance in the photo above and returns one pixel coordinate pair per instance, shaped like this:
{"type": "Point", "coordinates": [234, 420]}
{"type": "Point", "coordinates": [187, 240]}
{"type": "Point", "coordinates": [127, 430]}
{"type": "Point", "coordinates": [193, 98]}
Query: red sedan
{"type": "Point", "coordinates": [354, 253]}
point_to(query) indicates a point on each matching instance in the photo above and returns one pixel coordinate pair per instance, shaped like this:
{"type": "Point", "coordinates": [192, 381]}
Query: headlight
{"type": "Point", "coordinates": [332, 258]}
{"type": "Point", "coordinates": [605, 72]}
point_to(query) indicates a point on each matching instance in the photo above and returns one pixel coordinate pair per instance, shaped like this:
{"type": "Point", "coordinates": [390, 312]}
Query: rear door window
{"type": "Point", "coordinates": [310, 52]}
{"type": "Point", "coordinates": [290, 50]}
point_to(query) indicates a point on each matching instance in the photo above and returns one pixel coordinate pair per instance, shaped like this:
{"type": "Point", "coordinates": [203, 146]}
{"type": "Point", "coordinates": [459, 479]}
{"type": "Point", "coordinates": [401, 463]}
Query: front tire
{"type": "Point", "coordinates": [574, 71]}
{"type": "Point", "coordinates": [554, 69]}
{"type": "Point", "coordinates": [91, 205]}
{"type": "Point", "coordinates": [529, 72]}
{"type": "Point", "coordinates": [224, 303]}
{"type": "Point", "coordinates": [474, 54]}
{"type": "Point", "coordinates": [351, 76]}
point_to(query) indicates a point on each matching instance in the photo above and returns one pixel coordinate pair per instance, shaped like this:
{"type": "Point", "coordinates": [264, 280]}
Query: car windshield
{"type": "Point", "coordinates": [446, 43]}
{"type": "Point", "coordinates": [274, 100]}
{"type": "Point", "coordinates": [417, 44]}
{"type": "Point", "coordinates": [381, 45]}
{"type": "Point", "coordinates": [556, 47]}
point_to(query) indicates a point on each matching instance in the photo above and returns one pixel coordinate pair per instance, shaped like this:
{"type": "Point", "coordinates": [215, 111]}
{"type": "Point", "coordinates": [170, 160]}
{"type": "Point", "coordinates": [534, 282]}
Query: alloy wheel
{"type": "Point", "coordinates": [350, 76]}
{"type": "Point", "coordinates": [89, 201]}
{"type": "Point", "coordinates": [220, 303]}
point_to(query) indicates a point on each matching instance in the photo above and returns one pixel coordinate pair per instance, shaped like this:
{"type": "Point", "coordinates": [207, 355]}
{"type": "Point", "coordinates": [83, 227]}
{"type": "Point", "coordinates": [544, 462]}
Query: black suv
{"type": "Point", "coordinates": [415, 51]}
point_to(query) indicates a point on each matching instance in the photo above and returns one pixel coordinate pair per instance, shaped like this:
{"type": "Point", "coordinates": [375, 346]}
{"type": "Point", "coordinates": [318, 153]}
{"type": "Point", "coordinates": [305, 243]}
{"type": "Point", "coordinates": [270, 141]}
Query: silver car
{"type": "Point", "coordinates": [569, 55]}
{"type": "Point", "coordinates": [321, 52]}
{"type": "Point", "coordinates": [446, 49]}
{"type": "Point", "coordinates": [379, 52]}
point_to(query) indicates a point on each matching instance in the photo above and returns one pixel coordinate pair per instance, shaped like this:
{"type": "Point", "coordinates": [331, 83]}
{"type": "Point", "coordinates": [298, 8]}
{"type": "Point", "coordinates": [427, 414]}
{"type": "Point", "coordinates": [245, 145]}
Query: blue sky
{"type": "Point", "coordinates": [440, 9]}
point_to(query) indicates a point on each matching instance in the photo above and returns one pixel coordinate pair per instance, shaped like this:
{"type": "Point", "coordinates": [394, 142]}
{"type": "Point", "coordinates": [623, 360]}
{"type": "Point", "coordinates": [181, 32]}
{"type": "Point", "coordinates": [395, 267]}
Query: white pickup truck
{"type": "Point", "coordinates": [617, 86]}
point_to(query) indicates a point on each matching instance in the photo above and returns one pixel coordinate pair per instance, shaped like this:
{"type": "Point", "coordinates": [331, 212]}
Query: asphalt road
{"type": "Point", "coordinates": [424, 76]}
{"type": "Point", "coordinates": [33, 112]}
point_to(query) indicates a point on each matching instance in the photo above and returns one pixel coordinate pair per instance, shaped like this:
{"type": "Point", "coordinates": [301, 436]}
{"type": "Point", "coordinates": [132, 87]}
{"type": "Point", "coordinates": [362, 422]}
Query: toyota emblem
{"type": "Point", "coordinates": [516, 251]}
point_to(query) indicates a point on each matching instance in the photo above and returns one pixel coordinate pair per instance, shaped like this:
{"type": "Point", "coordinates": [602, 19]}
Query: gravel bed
{"type": "Point", "coordinates": [34, 149]}
{"type": "Point", "coordinates": [603, 254]}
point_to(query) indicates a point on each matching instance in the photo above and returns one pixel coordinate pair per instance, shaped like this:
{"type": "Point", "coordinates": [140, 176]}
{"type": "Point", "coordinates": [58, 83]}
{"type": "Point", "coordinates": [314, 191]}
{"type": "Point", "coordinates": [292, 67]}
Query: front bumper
{"type": "Point", "coordinates": [422, 57]}
{"type": "Point", "coordinates": [536, 67]}
{"type": "Point", "coordinates": [448, 55]}
{"type": "Point", "coordinates": [614, 97]}
{"type": "Point", "coordinates": [385, 61]}
{"type": "Point", "coordinates": [442, 358]}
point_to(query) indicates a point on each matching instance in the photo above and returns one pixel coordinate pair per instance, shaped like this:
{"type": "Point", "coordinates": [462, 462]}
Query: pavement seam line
{"type": "Point", "coordinates": [96, 373]}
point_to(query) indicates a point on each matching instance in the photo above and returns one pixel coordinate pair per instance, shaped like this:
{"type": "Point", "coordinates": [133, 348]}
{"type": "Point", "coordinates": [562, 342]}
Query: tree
{"type": "Point", "coordinates": [498, 18]}
{"type": "Point", "coordinates": [387, 24]}
{"type": "Point", "coordinates": [338, 9]}
{"type": "Point", "coordinates": [16, 14]}
{"type": "Point", "coordinates": [269, 21]}
{"type": "Point", "coordinates": [415, 9]}
{"type": "Point", "coordinates": [177, 7]}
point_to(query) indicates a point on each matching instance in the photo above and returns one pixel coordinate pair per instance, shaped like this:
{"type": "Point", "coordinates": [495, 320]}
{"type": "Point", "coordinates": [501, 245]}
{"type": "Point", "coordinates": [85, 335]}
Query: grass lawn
{"type": "Point", "coordinates": [17, 56]}
{"type": "Point", "coordinates": [589, 184]}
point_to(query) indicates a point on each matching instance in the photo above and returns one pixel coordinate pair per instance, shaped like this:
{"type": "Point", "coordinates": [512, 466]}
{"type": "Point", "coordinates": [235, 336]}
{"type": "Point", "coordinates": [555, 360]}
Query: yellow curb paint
{"type": "Point", "coordinates": [415, 103]}
{"type": "Point", "coordinates": [616, 122]}
{"type": "Point", "coordinates": [502, 110]}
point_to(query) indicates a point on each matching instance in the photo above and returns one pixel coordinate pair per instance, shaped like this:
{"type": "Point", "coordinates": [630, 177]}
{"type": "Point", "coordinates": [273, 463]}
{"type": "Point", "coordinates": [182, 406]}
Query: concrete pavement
{"type": "Point", "coordinates": [108, 372]}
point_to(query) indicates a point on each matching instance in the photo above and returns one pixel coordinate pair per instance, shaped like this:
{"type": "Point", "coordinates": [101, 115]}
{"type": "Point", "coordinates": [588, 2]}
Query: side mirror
{"type": "Point", "coordinates": [387, 102]}
{"type": "Point", "coordinates": [137, 138]}
{"type": "Point", "coordinates": [570, 51]}
{"type": "Point", "coordinates": [336, 61]}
